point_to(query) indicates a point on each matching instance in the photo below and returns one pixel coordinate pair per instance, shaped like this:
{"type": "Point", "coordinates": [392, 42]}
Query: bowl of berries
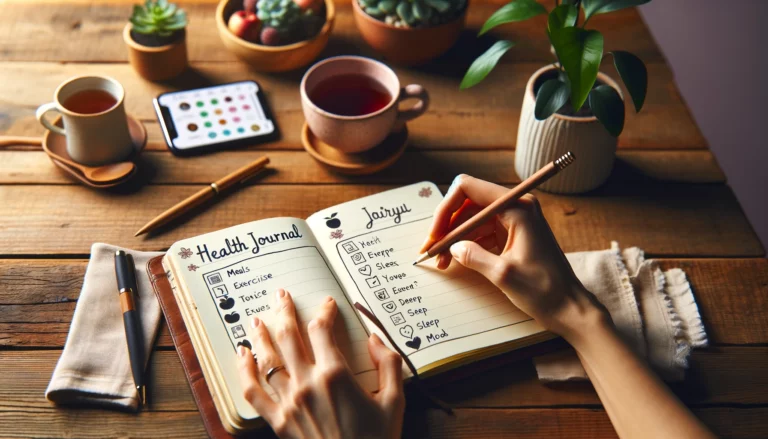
{"type": "Point", "coordinates": [275, 35]}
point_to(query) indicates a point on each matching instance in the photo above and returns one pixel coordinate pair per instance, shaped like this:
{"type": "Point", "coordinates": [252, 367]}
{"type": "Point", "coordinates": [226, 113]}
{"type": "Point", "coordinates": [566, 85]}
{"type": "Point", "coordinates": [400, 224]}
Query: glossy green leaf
{"type": "Point", "coordinates": [562, 16]}
{"type": "Point", "coordinates": [439, 5]}
{"type": "Point", "coordinates": [485, 63]}
{"type": "Point", "coordinates": [634, 74]}
{"type": "Point", "coordinates": [421, 10]}
{"type": "Point", "coordinates": [579, 52]}
{"type": "Point", "coordinates": [516, 10]}
{"type": "Point", "coordinates": [594, 7]}
{"type": "Point", "coordinates": [607, 106]}
{"type": "Point", "coordinates": [552, 95]}
{"type": "Point", "coordinates": [405, 11]}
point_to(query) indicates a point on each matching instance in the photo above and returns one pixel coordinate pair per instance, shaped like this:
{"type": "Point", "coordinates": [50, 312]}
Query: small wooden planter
{"type": "Point", "coordinates": [156, 63]}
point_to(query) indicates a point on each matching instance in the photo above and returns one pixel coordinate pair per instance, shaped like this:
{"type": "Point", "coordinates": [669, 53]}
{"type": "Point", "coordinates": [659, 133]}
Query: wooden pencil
{"type": "Point", "coordinates": [530, 183]}
{"type": "Point", "coordinates": [205, 194]}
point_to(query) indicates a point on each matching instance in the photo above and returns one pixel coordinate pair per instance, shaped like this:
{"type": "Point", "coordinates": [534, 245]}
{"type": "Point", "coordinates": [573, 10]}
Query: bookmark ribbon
{"type": "Point", "coordinates": [417, 381]}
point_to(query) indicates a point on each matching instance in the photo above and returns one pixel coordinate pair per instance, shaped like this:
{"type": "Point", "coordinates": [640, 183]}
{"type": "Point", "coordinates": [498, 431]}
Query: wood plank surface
{"type": "Point", "coordinates": [94, 34]}
{"type": "Point", "coordinates": [38, 298]}
{"type": "Point", "coordinates": [560, 423]}
{"type": "Point", "coordinates": [664, 220]}
{"type": "Point", "coordinates": [698, 166]}
{"type": "Point", "coordinates": [666, 195]}
{"type": "Point", "coordinates": [725, 376]}
{"type": "Point", "coordinates": [484, 117]}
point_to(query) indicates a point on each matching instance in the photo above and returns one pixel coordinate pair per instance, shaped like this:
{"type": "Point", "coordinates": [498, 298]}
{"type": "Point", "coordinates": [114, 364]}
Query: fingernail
{"type": "Point", "coordinates": [329, 299]}
{"type": "Point", "coordinates": [255, 322]}
{"type": "Point", "coordinates": [241, 351]}
{"type": "Point", "coordinates": [458, 250]}
{"type": "Point", "coordinates": [281, 293]}
{"type": "Point", "coordinates": [453, 185]}
{"type": "Point", "coordinates": [312, 324]}
{"type": "Point", "coordinates": [376, 339]}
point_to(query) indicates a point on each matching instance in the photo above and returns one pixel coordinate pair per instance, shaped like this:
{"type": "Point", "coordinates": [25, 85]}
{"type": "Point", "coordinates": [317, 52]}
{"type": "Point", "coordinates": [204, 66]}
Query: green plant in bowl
{"type": "Point", "coordinates": [157, 23]}
{"type": "Point", "coordinates": [574, 90]}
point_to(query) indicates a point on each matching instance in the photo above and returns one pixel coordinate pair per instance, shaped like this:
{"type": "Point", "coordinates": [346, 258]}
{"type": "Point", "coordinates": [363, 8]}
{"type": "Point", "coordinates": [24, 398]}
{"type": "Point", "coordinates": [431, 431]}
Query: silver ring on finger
{"type": "Point", "coordinates": [273, 371]}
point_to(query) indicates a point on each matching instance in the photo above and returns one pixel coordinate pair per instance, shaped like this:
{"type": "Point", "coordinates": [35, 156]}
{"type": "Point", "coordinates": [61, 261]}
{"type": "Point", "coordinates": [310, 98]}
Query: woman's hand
{"type": "Point", "coordinates": [516, 251]}
{"type": "Point", "coordinates": [321, 398]}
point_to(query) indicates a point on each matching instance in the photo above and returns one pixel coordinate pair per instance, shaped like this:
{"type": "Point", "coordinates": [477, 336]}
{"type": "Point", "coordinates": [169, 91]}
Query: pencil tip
{"type": "Point", "coordinates": [423, 258]}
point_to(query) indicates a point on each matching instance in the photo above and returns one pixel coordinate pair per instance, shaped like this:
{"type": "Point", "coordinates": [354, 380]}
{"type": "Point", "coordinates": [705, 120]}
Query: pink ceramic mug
{"type": "Point", "coordinates": [359, 133]}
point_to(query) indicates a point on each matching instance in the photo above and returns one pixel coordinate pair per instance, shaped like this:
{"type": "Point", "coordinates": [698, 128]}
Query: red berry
{"type": "Point", "coordinates": [270, 36]}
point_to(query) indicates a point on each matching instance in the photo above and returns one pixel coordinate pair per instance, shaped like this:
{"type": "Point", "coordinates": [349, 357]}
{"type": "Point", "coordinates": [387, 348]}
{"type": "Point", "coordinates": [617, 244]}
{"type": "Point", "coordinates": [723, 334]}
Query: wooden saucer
{"type": "Point", "coordinates": [367, 162]}
{"type": "Point", "coordinates": [55, 145]}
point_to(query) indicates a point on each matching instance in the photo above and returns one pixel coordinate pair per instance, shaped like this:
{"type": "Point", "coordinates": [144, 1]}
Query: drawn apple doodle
{"type": "Point", "coordinates": [226, 302]}
{"type": "Point", "coordinates": [233, 317]}
{"type": "Point", "coordinates": [407, 331]}
{"type": "Point", "coordinates": [414, 344]}
{"type": "Point", "coordinates": [332, 221]}
{"type": "Point", "coordinates": [245, 343]}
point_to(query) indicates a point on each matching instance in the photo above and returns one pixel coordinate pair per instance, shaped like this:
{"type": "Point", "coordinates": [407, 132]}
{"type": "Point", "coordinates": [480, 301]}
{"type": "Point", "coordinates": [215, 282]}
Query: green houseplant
{"type": "Point", "coordinates": [568, 105]}
{"type": "Point", "coordinates": [156, 39]}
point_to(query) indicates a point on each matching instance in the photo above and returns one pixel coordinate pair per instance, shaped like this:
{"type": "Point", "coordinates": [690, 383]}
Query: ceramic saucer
{"type": "Point", "coordinates": [55, 145]}
{"type": "Point", "coordinates": [375, 159]}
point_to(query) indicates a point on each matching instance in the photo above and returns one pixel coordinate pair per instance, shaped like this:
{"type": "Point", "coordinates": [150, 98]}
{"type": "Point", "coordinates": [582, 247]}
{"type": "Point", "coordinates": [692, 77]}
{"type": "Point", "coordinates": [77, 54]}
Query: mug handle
{"type": "Point", "coordinates": [412, 91]}
{"type": "Point", "coordinates": [40, 114]}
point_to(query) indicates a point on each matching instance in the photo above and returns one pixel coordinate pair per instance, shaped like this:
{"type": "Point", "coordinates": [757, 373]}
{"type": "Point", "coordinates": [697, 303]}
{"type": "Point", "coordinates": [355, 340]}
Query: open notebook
{"type": "Point", "coordinates": [359, 251]}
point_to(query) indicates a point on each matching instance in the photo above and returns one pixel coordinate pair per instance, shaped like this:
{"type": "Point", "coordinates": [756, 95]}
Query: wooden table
{"type": "Point", "coordinates": [666, 195]}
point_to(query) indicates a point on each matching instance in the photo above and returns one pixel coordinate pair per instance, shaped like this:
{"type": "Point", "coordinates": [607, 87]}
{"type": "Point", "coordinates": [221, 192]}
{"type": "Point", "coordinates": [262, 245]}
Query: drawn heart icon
{"type": "Point", "coordinates": [407, 331]}
{"type": "Point", "coordinates": [365, 271]}
{"type": "Point", "coordinates": [232, 318]}
{"type": "Point", "coordinates": [414, 344]}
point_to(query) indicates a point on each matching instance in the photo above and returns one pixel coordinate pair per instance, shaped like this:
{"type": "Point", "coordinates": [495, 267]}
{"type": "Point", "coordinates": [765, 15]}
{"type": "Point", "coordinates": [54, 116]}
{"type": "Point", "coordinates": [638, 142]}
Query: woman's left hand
{"type": "Point", "coordinates": [320, 398]}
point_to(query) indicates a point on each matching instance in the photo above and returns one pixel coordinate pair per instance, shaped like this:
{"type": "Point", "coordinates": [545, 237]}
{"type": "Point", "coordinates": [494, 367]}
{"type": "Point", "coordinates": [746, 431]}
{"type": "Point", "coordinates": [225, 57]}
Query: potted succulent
{"type": "Point", "coordinates": [156, 39]}
{"type": "Point", "coordinates": [410, 31]}
{"type": "Point", "coordinates": [569, 105]}
{"type": "Point", "coordinates": [275, 35]}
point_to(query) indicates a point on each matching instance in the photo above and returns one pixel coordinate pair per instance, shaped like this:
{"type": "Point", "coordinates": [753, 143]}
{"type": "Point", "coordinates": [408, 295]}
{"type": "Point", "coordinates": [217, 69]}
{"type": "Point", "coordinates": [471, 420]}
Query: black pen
{"type": "Point", "coordinates": [126, 287]}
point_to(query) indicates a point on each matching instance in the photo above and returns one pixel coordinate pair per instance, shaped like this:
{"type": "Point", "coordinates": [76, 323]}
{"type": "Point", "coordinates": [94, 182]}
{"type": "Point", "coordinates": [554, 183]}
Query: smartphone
{"type": "Point", "coordinates": [215, 118]}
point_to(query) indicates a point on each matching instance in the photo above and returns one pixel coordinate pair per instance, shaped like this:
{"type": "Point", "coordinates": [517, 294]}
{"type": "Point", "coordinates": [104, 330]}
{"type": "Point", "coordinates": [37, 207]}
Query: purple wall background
{"type": "Point", "coordinates": [718, 54]}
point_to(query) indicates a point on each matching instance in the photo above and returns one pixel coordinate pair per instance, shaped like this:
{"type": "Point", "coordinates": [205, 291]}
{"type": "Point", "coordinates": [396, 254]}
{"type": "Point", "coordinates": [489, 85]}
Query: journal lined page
{"type": "Point", "coordinates": [371, 244]}
{"type": "Point", "coordinates": [232, 275]}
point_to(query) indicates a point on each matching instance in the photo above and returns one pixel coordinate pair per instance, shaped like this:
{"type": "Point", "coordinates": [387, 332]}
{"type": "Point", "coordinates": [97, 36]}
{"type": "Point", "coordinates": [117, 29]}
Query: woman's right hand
{"type": "Point", "coordinates": [516, 251]}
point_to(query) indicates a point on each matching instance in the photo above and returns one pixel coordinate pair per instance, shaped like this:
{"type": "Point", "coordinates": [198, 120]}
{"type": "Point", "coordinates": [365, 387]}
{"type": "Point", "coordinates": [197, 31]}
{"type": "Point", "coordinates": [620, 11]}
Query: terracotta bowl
{"type": "Point", "coordinates": [273, 58]}
{"type": "Point", "coordinates": [408, 46]}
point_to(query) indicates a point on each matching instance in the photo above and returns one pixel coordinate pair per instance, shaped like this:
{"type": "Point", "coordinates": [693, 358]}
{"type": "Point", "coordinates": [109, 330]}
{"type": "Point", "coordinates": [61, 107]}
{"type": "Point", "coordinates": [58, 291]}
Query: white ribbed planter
{"type": "Point", "coordinates": [540, 142]}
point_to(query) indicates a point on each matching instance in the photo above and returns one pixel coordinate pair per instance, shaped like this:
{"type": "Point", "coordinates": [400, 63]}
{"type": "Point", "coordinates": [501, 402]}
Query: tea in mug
{"type": "Point", "coordinates": [350, 95]}
{"type": "Point", "coordinates": [90, 102]}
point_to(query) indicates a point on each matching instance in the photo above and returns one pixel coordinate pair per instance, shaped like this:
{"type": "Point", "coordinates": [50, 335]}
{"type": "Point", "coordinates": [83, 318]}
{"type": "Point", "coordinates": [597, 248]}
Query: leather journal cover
{"type": "Point", "coordinates": [186, 351]}
{"type": "Point", "coordinates": [199, 387]}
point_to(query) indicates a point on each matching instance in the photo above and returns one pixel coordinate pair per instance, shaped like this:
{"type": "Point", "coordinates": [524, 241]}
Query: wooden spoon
{"type": "Point", "coordinates": [97, 174]}
{"type": "Point", "coordinates": [101, 174]}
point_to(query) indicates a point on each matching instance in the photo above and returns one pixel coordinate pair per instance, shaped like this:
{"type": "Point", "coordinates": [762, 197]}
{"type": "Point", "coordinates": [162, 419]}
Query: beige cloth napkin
{"type": "Point", "coordinates": [94, 367]}
{"type": "Point", "coordinates": [654, 311]}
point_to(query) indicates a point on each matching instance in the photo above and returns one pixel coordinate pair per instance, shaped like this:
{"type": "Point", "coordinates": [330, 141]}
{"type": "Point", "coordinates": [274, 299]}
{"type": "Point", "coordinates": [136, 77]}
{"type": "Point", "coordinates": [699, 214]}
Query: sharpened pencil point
{"type": "Point", "coordinates": [423, 258]}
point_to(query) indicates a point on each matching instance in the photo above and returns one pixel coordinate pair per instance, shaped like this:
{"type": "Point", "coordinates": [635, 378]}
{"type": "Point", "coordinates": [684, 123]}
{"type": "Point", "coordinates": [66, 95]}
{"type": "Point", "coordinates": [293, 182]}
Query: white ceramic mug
{"type": "Point", "coordinates": [92, 139]}
{"type": "Point", "coordinates": [359, 133]}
